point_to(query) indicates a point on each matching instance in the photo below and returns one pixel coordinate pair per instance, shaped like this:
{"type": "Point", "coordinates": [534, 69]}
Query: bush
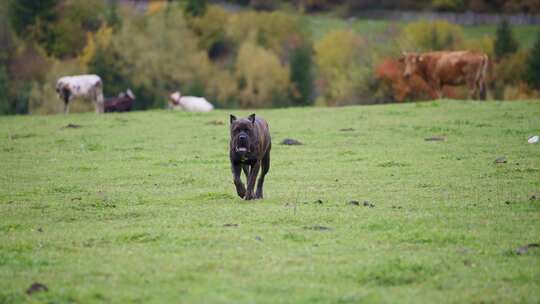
{"type": "Point", "coordinates": [510, 71]}
{"type": "Point", "coordinates": [301, 71]}
{"type": "Point", "coordinates": [195, 8]}
{"type": "Point", "coordinates": [448, 5]}
{"type": "Point", "coordinates": [484, 45]}
{"type": "Point", "coordinates": [344, 67]}
{"type": "Point", "coordinates": [262, 80]}
{"type": "Point", "coordinates": [505, 43]}
{"type": "Point", "coordinates": [533, 65]}
{"type": "Point", "coordinates": [211, 31]}
{"type": "Point", "coordinates": [431, 36]}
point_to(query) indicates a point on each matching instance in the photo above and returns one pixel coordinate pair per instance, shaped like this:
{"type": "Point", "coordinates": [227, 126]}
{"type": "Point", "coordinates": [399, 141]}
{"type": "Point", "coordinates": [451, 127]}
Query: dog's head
{"type": "Point", "coordinates": [243, 135]}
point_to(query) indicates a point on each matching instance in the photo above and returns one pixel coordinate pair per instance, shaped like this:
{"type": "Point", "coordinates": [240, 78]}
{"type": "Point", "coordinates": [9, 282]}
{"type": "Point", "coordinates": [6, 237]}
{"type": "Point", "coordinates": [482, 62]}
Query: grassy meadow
{"type": "Point", "coordinates": [140, 207]}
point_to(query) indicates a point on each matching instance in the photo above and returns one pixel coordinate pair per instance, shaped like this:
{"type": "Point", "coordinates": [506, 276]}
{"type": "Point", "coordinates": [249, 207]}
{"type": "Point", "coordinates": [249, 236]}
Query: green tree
{"type": "Point", "coordinates": [301, 71]}
{"type": "Point", "coordinates": [27, 13]}
{"type": "Point", "coordinates": [505, 43]}
{"type": "Point", "coordinates": [533, 65]}
{"type": "Point", "coordinates": [4, 85]}
{"type": "Point", "coordinates": [195, 8]}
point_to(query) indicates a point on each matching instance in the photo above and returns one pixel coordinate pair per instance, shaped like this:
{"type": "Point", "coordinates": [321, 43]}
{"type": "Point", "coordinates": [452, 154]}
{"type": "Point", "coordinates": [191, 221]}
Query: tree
{"type": "Point", "coordinates": [301, 71]}
{"type": "Point", "coordinates": [31, 18]}
{"type": "Point", "coordinates": [195, 8]}
{"type": "Point", "coordinates": [533, 65]}
{"type": "Point", "coordinates": [505, 43]}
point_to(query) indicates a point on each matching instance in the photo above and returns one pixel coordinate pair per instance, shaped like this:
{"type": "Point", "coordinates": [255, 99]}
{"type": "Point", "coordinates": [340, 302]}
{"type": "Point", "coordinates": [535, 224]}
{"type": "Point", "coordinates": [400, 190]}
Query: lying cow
{"type": "Point", "coordinates": [88, 87]}
{"type": "Point", "coordinates": [122, 103]}
{"type": "Point", "coordinates": [189, 103]}
{"type": "Point", "coordinates": [449, 68]}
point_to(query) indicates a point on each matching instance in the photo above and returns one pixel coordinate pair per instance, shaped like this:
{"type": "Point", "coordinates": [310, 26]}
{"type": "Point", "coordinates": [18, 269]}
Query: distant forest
{"type": "Point", "coordinates": [479, 6]}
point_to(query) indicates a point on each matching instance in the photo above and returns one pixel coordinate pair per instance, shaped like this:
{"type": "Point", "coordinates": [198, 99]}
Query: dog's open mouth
{"type": "Point", "coordinates": [241, 149]}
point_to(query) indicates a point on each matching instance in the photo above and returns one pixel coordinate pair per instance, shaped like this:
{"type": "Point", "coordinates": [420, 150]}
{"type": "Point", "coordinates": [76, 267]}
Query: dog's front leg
{"type": "Point", "coordinates": [252, 179]}
{"type": "Point", "coordinates": [237, 170]}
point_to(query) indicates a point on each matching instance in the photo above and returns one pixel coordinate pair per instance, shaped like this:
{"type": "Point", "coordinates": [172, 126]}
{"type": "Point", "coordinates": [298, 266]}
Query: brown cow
{"type": "Point", "coordinates": [449, 68]}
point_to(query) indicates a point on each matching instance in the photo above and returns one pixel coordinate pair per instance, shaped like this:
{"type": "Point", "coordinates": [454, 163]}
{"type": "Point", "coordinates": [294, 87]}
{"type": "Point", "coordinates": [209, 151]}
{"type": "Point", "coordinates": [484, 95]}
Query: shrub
{"type": "Point", "coordinates": [195, 8]}
{"type": "Point", "coordinates": [301, 71]}
{"type": "Point", "coordinates": [262, 80]}
{"type": "Point", "coordinates": [269, 30]}
{"type": "Point", "coordinates": [505, 43]}
{"type": "Point", "coordinates": [510, 71]}
{"type": "Point", "coordinates": [431, 36]}
{"type": "Point", "coordinates": [484, 45]}
{"type": "Point", "coordinates": [343, 64]}
{"type": "Point", "coordinates": [533, 65]}
{"type": "Point", "coordinates": [211, 31]}
{"type": "Point", "coordinates": [448, 5]}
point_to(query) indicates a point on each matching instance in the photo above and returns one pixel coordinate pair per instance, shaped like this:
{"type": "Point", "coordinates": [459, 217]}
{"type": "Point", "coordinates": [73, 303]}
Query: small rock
{"type": "Point", "coordinates": [523, 249]}
{"type": "Point", "coordinates": [435, 138]}
{"type": "Point", "coordinates": [317, 228]}
{"type": "Point", "coordinates": [291, 142]}
{"type": "Point", "coordinates": [368, 204]}
{"type": "Point", "coordinates": [320, 202]}
{"type": "Point", "coordinates": [534, 197]}
{"type": "Point", "coordinates": [40, 229]}
{"type": "Point", "coordinates": [355, 203]}
{"type": "Point", "coordinates": [36, 287]}
{"type": "Point", "coordinates": [258, 238]}
{"type": "Point", "coordinates": [347, 130]}
{"type": "Point", "coordinates": [500, 160]}
{"type": "Point", "coordinates": [72, 126]}
{"type": "Point", "coordinates": [230, 225]}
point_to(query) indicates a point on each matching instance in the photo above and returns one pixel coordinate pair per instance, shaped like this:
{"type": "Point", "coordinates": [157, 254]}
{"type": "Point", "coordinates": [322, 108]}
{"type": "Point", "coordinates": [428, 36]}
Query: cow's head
{"type": "Point", "coordinates": [412, 62]}
{"type": "Point", "coordinates": [130, 94]}
{"type": "Point", "coordinates": [174, 99]}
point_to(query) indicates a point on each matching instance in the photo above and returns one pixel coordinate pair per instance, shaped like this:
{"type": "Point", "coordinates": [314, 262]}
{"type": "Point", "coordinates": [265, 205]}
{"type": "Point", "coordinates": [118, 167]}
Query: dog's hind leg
{"type": "Point", "coordinates": [265, 166]}
{"type": "Point", "coordinates": [240, 189]}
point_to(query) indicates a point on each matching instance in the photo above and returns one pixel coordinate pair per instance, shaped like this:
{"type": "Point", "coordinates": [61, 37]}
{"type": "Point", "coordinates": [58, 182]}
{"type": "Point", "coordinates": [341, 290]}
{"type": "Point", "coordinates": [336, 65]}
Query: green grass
{"type": "Point", "coordinates": [322, 24]}
{"type": "Point", "coordinates": [135, 207]}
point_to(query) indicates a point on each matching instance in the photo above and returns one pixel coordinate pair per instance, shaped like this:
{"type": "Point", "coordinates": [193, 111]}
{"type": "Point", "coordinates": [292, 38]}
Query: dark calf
{"type": "Point", "coordinates": [122, 103]}
{"type": "Point", "coordinates": [249, 152]}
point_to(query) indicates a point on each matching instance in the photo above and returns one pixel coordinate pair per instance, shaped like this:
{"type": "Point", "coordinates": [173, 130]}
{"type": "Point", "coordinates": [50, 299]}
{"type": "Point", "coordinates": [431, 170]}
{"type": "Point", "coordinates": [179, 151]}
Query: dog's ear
{"type": "Point", "coordinates": [252, 118]}
{"type": "Point", "coordinates": [233, 118]}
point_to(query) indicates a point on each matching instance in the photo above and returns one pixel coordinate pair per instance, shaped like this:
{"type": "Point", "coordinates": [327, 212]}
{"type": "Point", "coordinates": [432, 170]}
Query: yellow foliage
{"type": "Point", "coordinates": [263, 80]}
{"type": "Point", "coordinates": [269, 30]}
{"type": "Point", "coordinates": [431, 36]}
{"type": "Point", "coordinates": [102, 39]}
{"type": "Point", "coordinates": [155, 6]}
{"type": "Point", "coordinates": [342, 66]}
{"type": "Point", "coordinates": [210, 26]}
{"type": "Point", "coordinates": [484, 45]}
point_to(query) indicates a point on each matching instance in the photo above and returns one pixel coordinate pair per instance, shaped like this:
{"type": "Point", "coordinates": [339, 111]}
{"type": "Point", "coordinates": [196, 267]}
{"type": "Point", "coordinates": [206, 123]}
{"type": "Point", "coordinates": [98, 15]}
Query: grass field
{"type": "Point", "coordinates": [141, 208]}
{"type": "Point", "coordinates": [321, 24]}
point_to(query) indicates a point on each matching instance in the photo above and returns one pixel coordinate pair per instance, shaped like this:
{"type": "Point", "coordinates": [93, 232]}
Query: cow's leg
{"type": "Point", "coordinates": [265, 166]}
{"type": "Point", "coordinates": [252, 179]}
{"type": "Point", "coordinates": [66, 105]}
{"type": "Point", "coordinates": [237, 170]}
{"type": "Point", "coordinates": [472, 85]}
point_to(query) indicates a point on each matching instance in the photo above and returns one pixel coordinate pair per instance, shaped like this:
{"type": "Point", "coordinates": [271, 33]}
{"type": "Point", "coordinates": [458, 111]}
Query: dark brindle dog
{"type": "Point", "coordinates": [249, 151]}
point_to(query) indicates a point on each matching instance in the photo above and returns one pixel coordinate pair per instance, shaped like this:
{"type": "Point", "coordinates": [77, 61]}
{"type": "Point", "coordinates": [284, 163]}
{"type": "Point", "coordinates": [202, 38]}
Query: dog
{"type": "Point", "coordinates": [249, 151]}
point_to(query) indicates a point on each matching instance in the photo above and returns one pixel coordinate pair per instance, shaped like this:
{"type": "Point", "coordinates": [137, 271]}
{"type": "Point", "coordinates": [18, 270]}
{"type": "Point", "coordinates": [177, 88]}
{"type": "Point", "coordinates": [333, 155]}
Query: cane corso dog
{"type": "Point", "coordinates": [249, 152]}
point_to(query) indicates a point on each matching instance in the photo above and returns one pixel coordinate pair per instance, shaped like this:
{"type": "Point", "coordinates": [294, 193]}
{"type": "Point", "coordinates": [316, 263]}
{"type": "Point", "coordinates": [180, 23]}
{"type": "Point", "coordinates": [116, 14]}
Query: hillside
{"type": "Point", "coordinates": [141, 207]}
